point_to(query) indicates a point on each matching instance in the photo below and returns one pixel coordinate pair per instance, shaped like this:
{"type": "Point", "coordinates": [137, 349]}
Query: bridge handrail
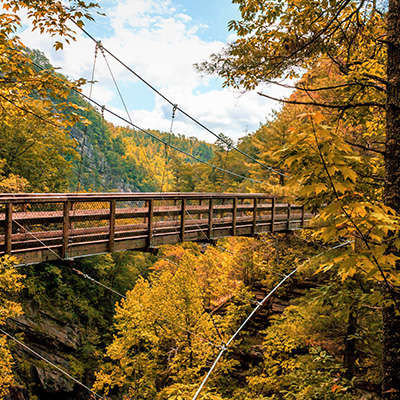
{"type": "Point", "coordinates": [19, 198]}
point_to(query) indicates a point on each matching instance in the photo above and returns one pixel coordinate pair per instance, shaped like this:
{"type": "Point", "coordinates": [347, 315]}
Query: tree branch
{"type": "Point", "coordinates": [31, 112]}
{"type": "Point", "coordinates": [366, 147]}
{"type": "Point", "coordinates": [377, 78]}
{"type": "Point", "coordinates": [320, 89]}
{"type": "Point", "coordinates": [326, 105]}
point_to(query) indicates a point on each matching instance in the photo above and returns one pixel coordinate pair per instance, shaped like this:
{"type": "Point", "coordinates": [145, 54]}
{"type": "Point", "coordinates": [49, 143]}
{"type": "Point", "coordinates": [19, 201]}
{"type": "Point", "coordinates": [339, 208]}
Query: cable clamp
{"type": "Point", "coordinates": [81, 273]}
{"type": "Point", "coordinates": [174, 108]}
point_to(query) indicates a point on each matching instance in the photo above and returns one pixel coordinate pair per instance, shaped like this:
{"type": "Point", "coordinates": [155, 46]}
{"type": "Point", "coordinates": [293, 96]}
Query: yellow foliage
{"type": "Point", "coordinates": [10, 285]}
{"type": "Point", "coordinates": [6, 375]}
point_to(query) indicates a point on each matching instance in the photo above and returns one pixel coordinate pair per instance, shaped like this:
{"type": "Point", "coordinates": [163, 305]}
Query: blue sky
{"type": "Point", "coordinates": [161, 40]}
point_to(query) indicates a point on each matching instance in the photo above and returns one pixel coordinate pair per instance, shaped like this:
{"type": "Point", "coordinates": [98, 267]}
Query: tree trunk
{"type": "Point", "coordinates": [391, 321]}
{"type": "Point", "coordinates": [350, 354]}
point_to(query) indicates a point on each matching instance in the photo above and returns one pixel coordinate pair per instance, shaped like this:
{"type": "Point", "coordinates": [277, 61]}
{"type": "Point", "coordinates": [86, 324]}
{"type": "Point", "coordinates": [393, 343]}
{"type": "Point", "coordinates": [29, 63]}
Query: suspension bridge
{"type": "Point", "coordinates": [45, 227]}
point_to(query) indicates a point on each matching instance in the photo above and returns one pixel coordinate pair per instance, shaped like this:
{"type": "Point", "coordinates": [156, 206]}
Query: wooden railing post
{"type": "Point", "coordinates": [302, 216]}
{"type": "Point", "coordinates": [8, 229]}
{"type": "Point", "coordinates": [273, 214]}
{"type": "Point", "coordinates": [66, 228]}
{"type": "Point", "coordinates": [254, 227]}
{"type": "Point", "coordinates": [201, 204]}
{"type": "Point", "coordinates": [183, 219]}
{"type": "Point", "coordinates": [210, 219]}
{"type": "Point", "coordinates": [289, 214]}
{"type": "Point", "coordinates": [175, 204]}
{"type": "Point", "coordinates": [71, 223]}
{"type": "Point", "coordinates": [111, 226]}
{"type": "Point", "coordinates": [150, 222]}
{"type": "Point", "coordinates": [234, 216]}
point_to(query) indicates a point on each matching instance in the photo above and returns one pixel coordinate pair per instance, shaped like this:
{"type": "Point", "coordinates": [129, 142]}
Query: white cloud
{"type": "Point", "coordinates": [161, 45]}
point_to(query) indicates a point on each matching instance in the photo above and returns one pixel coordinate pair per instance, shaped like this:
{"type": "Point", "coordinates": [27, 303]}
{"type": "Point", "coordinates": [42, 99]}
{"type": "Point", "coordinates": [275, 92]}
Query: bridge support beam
{"type": "Point", "coordinates": [111, 226]}
{"type": "Point", "coordinates": [254, 227]}
{"type": "Point", "coordinates": [66, 228]}
{"type": "Point", "coordinates": [183, 220]}
{"type": "Point", "coordinates": [150, 223]}
{"type": "Point", "coordinates": [210, 219]}
{"type": "Point", "coordinates": [8, 230]}
{"type": "Point", "coordinates": [234, 216]}
{"type": "Point", "coordinates": [289, 215]}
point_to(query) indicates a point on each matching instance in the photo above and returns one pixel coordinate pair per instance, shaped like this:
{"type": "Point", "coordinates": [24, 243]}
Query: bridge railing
{"type": "Point", "coordinates": [44, 227]}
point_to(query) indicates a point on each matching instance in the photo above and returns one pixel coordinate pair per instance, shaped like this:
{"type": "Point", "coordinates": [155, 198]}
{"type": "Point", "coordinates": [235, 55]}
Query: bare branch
{"type": "Point", "coordinates": [320, 89]}
{"type": "Point", "coordinates": [326, 105]}
{"type": "Point", "coordinates": [366, 147]}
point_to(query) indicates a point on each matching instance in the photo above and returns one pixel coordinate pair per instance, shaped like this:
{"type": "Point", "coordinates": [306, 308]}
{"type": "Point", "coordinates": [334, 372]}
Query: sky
{"type": "Point", "coordinates": [161, 40]}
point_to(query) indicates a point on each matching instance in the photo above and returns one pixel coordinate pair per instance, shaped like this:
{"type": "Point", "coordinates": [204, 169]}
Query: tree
{"type": "Point", "coordinates": [22, 80]}
{"type": "Point", "coordinates": [30, 150]}
{"type": "Point", "coordinates": [159, 349]}
{"type": "Point", "coordinates": [282, 39]}
{"type": "Point", "coordinates": [154, 345]}
{"type": "Point", "coordinates": [10, 285]}
{"type": "Point", "coordinates": [25, 110]}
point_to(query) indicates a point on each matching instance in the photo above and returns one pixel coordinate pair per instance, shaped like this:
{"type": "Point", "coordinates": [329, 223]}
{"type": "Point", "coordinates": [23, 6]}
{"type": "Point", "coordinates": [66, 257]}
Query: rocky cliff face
{"type": "Point", "coordinates": [66, 320]}
{"type": "Point", "coordinates": [93, 169]}
{"type": "Point", "coordinates": [55, 339]}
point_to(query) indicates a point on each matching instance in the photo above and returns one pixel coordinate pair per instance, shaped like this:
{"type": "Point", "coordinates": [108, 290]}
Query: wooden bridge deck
{"type": "Point", "coordinates": [45, 227]}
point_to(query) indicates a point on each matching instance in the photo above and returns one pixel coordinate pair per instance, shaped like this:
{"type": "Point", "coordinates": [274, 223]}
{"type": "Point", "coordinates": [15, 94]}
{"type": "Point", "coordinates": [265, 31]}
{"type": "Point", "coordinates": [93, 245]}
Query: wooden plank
{"type": "Point", "coordinates": [8, 229]}
{"type": "Point", "coordinates": [273, 214]}
{"type": "Point", "coordinates": [66, 229]}
{"type": "Point", "coordinates": [112, 226]}
{"type": "Point", "coordinates": [150, 222]}
{"type": "Point", "coordinates": [183, 220]}
{"type": "Point", "coordinates": [289, 214]}
{"type": "Point", "coordinates": [210, 218]}
{"type": "Point", "coordinates": [234, 216]}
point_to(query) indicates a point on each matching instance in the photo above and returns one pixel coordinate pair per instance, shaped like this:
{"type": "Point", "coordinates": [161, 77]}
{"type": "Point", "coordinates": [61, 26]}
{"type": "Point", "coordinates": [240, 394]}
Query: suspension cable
{"type": "Point", "coordinates": [159, 139]}
{"type": "Point", "coordinates": [148, 309]}
{"type": "Point", "coordinates": [184, 112]}
{"type": "Point", "coordinates": [53, 365]}
{"type": "Point", "coordinates": [87, 114]}
{"type": "Point", "coordinates": [225, 347]}
{"type": "Point", "coordinates": [171, 145]}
